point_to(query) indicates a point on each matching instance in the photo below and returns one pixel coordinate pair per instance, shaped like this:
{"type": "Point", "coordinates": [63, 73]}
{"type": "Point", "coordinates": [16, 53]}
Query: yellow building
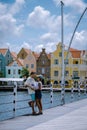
{"type": "Point", "coordinates": [76, 65]}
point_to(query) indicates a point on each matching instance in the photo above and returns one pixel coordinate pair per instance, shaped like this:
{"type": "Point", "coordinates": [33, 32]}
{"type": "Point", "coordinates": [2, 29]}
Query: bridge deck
{"type": "Point", "coordinates": [71, 116]}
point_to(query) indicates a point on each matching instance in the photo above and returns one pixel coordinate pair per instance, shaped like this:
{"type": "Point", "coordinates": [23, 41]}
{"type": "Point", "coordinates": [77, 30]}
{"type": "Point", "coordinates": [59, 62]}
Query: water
{"type": "Point", "coordinates": [22, 107]}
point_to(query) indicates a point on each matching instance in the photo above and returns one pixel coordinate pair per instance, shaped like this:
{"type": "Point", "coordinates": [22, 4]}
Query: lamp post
{"type": "Point", "coordinates": [75, 31]}
{"type": "Point", "coordinates": [63, 71]}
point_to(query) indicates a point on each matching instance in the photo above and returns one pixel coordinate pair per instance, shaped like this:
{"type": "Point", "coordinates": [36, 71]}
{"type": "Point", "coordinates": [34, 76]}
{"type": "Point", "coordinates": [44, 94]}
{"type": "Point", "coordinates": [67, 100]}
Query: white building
{"type": "Point", "coordinates": [13, 69]}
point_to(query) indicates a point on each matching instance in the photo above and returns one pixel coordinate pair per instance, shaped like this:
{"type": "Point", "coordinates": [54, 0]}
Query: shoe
{"type": "Point", "coordinates": [34, 113]}
{"type": "Point", "coordinates": [40, 113]}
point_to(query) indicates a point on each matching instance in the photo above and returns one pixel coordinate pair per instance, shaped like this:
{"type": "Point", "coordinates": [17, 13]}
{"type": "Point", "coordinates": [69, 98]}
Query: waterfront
{"type": "Point", "coordinates": [22, 108]}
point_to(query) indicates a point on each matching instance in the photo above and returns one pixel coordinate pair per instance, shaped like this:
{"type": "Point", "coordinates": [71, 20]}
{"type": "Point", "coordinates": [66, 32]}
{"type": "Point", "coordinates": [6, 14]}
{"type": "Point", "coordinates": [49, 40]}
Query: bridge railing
{"type": "Point", "coordinates": [15, 103]}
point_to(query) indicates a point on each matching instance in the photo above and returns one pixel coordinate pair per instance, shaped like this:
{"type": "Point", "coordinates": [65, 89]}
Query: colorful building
{"type": "Point", "coordinates": [43, 64]}
{"type": "Point", "coordinates": [5, 59]}
{"type": "Point", "coordinates": [13, 70]}
{"type": "Point", "coordinates": [28, 59]}
{"type": "Point", "coordinates": [75, 65]}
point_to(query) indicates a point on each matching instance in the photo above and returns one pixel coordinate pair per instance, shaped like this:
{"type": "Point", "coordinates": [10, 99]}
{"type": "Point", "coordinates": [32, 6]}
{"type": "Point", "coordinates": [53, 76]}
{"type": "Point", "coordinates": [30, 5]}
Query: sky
{"type": "Point", "coordinates": [36, 24]}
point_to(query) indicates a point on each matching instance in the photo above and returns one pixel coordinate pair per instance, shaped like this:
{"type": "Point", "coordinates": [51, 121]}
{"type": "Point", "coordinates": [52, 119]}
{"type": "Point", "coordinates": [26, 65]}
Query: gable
{"type": "Point", "coordinates": [23, 53]}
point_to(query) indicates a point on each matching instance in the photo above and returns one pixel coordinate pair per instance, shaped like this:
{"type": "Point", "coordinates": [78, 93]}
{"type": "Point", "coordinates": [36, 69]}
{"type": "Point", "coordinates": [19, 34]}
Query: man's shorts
{"type": "Point", "coordinates": [32, 97]}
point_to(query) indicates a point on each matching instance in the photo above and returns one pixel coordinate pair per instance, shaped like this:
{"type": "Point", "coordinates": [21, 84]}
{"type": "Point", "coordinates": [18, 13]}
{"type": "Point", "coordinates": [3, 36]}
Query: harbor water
{"type": "Point", "coordinates": [22, 98]}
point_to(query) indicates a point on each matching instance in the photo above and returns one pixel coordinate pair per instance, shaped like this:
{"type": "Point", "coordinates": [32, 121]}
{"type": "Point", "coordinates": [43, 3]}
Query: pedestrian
{"type": "Point", "coordinates": [31, 84]}
{"type": "Point", "coordinates": [38, 94]}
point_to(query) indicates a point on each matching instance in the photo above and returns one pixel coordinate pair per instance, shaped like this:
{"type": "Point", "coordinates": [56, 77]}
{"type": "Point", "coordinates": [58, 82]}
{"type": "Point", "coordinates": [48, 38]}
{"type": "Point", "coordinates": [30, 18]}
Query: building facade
{"type": "Point", "coordinates": [43, 64]}
{"type": "Point", "coordinates": [5, 59]}
{"type": "Point", "coordinates": [28, 59]}
{"type": "Point", "coordinates": [13, 70]}
{"type": "Point", "coordinates": [75, 65]}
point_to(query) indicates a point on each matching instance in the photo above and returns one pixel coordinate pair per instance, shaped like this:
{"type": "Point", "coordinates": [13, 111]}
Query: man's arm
{"type": "Point", "coordinates": [28, 85]}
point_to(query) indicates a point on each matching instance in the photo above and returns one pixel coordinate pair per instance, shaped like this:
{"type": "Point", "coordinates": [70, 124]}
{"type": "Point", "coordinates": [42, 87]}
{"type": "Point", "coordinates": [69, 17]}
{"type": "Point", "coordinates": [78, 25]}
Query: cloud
{"type": "Point", "coordinates": [3, 9]}
{"type": "Point", "coordinates": [77, 5]}
{"type": "Point", "coordinates": [49, 37]}
{"type": "Point", "coordinates": [26, 45]}
{"type": "Point", "coordinates": [80, 40]}
{"type": "Point", "coordinates": [38, 48]}
{"type": "Point", "coordinates": [8, 23]}
{"type": "Point", "coordinates": [8, 26]}
{"type": "Point", "coordinates": [16, 7]}
{"type": "Point", "coordinates": [50, 46]}
{"type": "Point", "coordinates": [42, 18]}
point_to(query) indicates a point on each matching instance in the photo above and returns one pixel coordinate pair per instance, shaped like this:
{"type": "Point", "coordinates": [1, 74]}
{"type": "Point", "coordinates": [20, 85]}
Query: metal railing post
{"type": "Point", "coordinates": [84, 87]}
{"type": "Point", "coordinates": [15, 99]}
{"type": "Point", "coordinates": [72, 92]}
{"type": "Point", "coordinates": [51, 93]}
{"type": "Point", "coordinates": [79, 89]}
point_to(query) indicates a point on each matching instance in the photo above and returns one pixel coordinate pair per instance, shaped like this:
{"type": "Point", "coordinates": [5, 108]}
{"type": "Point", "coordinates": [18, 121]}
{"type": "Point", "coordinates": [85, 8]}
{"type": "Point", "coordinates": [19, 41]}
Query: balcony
{"type": "Point", "coordinates": [82, 67]}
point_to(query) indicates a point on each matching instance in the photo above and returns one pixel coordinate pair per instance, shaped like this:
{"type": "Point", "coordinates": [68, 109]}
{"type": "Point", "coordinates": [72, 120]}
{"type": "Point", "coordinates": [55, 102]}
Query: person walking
{"type": "Point", "coordinates": [30, 83]}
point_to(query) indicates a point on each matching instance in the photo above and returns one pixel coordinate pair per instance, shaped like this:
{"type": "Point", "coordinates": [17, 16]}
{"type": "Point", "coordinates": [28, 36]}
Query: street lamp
{"type": "Point", "coordinates": [62, 45]}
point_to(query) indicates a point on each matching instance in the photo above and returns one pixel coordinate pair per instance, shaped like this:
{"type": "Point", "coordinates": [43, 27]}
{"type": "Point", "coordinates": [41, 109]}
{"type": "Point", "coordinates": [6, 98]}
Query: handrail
{"type": "Point", "coordinates": [18, 104]}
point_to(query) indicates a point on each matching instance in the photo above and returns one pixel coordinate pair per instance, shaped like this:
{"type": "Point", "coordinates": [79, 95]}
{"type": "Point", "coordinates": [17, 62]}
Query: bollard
{"type": "Point", "coordinates": [15, 98]}
{"type": "Point", "coordinates": [51, 93]}
{"type": "Point", "coordinates": [72, 92]}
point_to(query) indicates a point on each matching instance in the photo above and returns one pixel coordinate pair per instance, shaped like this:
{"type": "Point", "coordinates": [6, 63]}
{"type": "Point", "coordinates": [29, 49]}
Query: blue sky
{"type": "Point", "coordinates": [36, 24]}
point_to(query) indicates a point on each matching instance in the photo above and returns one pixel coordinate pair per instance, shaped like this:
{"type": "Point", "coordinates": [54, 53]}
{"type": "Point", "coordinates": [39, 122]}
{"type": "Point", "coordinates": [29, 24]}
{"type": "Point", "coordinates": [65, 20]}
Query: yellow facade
{"type": "Point", "coordinates": [73, 68]}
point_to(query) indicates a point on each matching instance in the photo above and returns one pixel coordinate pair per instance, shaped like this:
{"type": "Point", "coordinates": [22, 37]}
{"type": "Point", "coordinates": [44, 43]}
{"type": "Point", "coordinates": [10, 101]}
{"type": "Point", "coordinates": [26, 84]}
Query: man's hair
{"type": "Point", "coordinates": [32, 73]}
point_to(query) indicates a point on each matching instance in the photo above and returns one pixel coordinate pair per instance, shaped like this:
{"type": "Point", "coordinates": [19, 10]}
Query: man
{"type": "Point", "coordinates": [31, 84]}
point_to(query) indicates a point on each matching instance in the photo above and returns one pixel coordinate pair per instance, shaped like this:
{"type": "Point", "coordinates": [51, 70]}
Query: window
{"type": "Point", "coordinates": [56, 61]}
{"type": "Point", "coordinates": [19, 71]}
{"type": "Point", "coordinates": [22, 55]}
{"type": "Point", "coordinates": [0, 64]}
{"type": "Point", "coordinates": [43, 61]}
{"type": "Point", "coordinates": [43, 71]}
{"type": "Point", "coordinates": [47, 69]}
{"type": "Point", "coordinates": [9, 71]}
{"type": "Point", "coordinates": [27, 66]}
{"type": "Point", "coordinates": [66, 73]}
{"type": "Point", "coordinates": [39, 70]}
{"type": "Point", "coordinates": [32, 65]}
{"type": "Point", "coordinates": [8, 62]}
{"type": "Point", "coordinates": [76, 62]}
{"type": "Point", "coordinates": [75, 73]}
{"type": "Point", "coordinates": [60, 54]}
{"type": "Point", "coordinates": [8, 56]}
{"type": "Point", "coordinates": [66, 61]}
{"type": "Point", "coordinates": [55, 73]}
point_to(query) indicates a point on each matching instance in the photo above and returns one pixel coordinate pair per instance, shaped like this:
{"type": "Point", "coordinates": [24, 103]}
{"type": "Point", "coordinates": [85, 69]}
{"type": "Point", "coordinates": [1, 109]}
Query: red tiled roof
{"type": "Point", "coordinates": [18, 62]}
{"type": "Point", "coordinates": [72, 49]}
{"type": "Point", "coordinates": [3, 51]}
{"type": "Point", "coordinates": [76, 54]}
{"type": "Point", "coordinates": [49, 56]}
{"type": "Point", "coordinates": [27, 50]}
{"type": "Point", "coordinates": [14, 55]}
{"type": "Point", "coordinates": [36, 55]}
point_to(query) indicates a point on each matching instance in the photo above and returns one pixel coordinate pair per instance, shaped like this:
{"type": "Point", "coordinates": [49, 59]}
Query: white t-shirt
{"type": "Point", "coordinates": [30, 81]}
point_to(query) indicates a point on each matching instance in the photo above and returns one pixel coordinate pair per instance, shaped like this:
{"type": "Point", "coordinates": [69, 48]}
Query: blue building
{"type": "Point", "coordinates": [5, 59]}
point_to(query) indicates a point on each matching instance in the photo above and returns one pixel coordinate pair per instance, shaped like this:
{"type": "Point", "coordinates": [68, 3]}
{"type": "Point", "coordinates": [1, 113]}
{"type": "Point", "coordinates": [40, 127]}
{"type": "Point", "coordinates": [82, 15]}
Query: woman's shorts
{"type": "Point", "coordinates": [32, 97]}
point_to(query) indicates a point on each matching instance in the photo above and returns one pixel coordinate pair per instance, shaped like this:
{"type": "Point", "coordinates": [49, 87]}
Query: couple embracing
{"type": "Point", "coordinates": [34, 85]}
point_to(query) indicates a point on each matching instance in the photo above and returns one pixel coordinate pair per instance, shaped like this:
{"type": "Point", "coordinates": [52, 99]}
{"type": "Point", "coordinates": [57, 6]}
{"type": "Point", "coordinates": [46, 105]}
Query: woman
{"type": "Point", "coordinates": [38, 95]}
